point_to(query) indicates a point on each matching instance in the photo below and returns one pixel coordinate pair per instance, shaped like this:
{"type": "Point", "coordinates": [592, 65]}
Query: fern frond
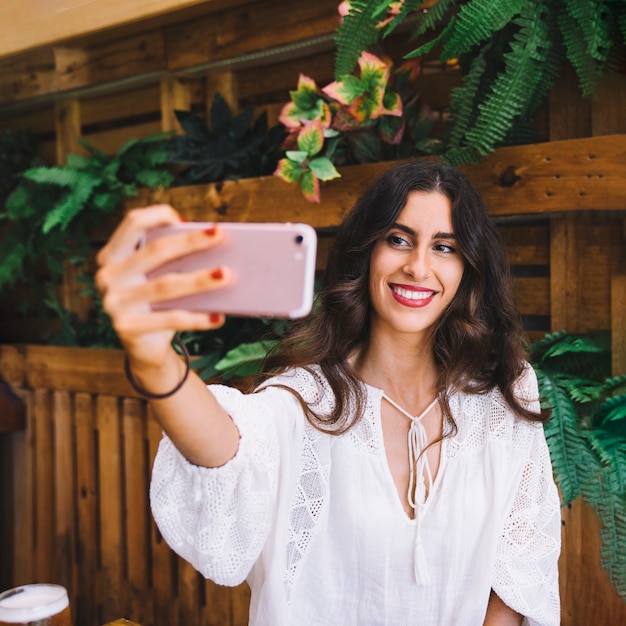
{"type": "Point", "coordinates": [477, 21]}
{"type": "Point", "coordinates": [611, 452]}
{"type": "Point", "coordinates": [60, 176]}
{"type": "Point", "coordinates": [356, 33]}
{"type": "Point", "coordinates": [73, 203]}
{"type": "Point", "coordinates": [432, 17]}
{"type": "Point", "coordinates": [514, 87]}
{"type": "Point", "coordinates": [611, 510]}
{"type": "Point", "coordinates": [409, 6]}
{"type": "Point", "coordinates": [563, 435]}
{"type": "Point", "coordinates": [462, 98]}
{"type": "Point", "coordinates": [587, 68]}
{"type": "Point", "coordinates": [591, 16]}
{"type": "Point", "coordinates": [612, 413]}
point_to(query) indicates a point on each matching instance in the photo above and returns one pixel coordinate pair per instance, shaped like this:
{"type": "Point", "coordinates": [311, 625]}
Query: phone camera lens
{"type": "Point", "coordinates": [299, 239]}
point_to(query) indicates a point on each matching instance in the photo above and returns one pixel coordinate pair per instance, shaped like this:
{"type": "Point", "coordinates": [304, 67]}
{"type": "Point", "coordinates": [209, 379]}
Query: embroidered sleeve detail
{"type": "Point", "coordinates": [218, 518]}
{"type": "Point", "coordinates": [526, 567]}
{"type": "Point", "coordinates": [309, 499]}
{"type": "Point", "coordinates": [483, 417]}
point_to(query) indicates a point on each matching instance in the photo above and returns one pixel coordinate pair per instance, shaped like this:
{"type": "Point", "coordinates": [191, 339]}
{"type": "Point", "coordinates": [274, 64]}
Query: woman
{"type": "Point", "coordinates": [392, 468]}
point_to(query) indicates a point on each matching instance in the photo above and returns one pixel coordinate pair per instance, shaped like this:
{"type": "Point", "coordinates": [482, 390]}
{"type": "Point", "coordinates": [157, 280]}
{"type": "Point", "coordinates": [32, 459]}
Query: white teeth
{"type": "Point", "coordinates": [413, 295]}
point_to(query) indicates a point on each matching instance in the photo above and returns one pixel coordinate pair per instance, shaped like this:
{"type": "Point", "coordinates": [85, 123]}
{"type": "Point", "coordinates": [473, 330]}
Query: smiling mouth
{"type": "Point", "coordinates": [412, 294]}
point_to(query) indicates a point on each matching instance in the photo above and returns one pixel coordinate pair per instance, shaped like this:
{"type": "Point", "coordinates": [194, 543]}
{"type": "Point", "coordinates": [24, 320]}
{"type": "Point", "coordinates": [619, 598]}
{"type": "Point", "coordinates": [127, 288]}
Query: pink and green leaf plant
{"type": "Point", "coordinates": [318, 120]}
{"type": "Point", "coordinates": [303, 166]}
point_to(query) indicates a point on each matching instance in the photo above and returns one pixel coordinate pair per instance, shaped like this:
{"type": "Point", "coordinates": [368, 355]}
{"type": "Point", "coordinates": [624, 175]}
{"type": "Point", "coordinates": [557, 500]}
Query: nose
{"type": "Point", "coordinates": [418, 265]}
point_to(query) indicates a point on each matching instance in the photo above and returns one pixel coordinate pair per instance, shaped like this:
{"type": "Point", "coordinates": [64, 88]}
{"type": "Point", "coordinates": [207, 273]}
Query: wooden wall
{"type": "Point", "coordinates": [77, 480]}
{"type": "Point", "coordinates": [79, 471]}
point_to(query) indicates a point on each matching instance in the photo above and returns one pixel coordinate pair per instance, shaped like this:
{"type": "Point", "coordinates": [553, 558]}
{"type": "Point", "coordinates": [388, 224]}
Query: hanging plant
{"type": "Point", "coordinates": [510, 53]}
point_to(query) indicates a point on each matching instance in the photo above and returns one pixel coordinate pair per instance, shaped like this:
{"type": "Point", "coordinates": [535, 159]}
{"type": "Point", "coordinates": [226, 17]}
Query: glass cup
{"type": "Point", "coordinates": [35, 605]}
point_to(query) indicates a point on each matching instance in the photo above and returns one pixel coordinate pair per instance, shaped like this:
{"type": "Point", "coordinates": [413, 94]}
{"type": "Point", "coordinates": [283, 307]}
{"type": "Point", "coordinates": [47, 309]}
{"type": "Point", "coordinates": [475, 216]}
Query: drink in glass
{"type": "Point", "coordinates": [35, 605]}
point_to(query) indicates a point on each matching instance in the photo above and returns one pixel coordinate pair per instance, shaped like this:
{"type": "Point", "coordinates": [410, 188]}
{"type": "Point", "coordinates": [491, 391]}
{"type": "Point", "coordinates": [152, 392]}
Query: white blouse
{"type": "Point", "coordinates": [314, 522]}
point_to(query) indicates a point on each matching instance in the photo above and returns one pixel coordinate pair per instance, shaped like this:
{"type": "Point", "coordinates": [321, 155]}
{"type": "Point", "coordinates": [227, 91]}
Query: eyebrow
{"type": "Point", "coordinates": [409, 231]}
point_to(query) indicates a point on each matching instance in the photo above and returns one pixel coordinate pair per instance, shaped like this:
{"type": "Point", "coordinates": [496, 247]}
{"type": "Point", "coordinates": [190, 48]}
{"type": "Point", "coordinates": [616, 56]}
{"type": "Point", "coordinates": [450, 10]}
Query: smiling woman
{"type": "Point", "coordinates": [393, 449]}
{"type": "Point", "coordinates": [416, 267]}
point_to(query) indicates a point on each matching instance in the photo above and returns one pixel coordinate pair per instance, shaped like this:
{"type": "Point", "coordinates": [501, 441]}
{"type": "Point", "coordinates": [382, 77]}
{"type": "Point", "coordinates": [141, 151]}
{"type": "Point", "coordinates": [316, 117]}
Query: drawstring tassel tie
{"type": "Point", "coordinates": [419, 472]}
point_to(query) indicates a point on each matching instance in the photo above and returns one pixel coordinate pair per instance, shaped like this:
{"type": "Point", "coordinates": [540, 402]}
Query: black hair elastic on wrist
{"type": "Point", "coordinates": [159, 396]}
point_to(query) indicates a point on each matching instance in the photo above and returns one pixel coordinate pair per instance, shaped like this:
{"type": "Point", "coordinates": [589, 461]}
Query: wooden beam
{"type": "Point", "coordinates": [539, 179]}
{"type": "Point", "coordinates": [34, 24]}
{"type": "Point", "coordinates": [557, 176]}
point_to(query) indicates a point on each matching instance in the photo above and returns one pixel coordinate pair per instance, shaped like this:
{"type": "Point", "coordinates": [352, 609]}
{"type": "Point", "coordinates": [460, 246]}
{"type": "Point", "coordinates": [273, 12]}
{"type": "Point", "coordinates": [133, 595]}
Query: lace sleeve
{"type": "Point", "coordinates": [526, 567]}
{"type": "Point", "coordinates": [218, 518]}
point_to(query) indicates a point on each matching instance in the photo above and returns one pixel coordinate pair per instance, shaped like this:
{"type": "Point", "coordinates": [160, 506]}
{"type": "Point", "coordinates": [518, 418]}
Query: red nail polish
{"type": "Point", "coordinates": [217, 274]}
{"type": "Point", "coordinates": [210, 232]}
{"type": "Point", "coordinates": [214, 318]}
{"type": "Point", "coordinates": [182, 219]}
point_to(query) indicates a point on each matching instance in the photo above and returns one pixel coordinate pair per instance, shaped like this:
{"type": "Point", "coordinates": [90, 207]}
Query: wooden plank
{"type": "Point", "coordinates": [527, 245]}
{"type": "Point", "coordinates": [111, 544]}
{"type": "Point", "coordinates": [569, 113]}
{"type": "Point", "coordinates": [227, 85]}
{"type": "Point", "coordinates": [609, 105]}
{"type": "Point", "coordinates": [246, 200]}
{"type": "Point", "coordinates": [66, 570]}
{"type": "Point", "coordinates": [585, 253]}
{"type": "Point", "coordinates": [27, 76]}
{"type": "Point", "coordinates": [532, 295]}
{"type": "Point", "coordinates": [86, 600]}
{"type": "Point", "coordinates": [110, 141]}
{"type": "Point", "coordinates": [67, 124]}
{"type": "Point", "coordinates": [35, 24]}
{"type": "Point", "coordinates": [7, 511]}
{"type": "Point", "coordinates": [44, 496]}
{"type": "Point", "coordinates": [77, 369]}
{"type": "Point", "coordinates": [250, 30]}
{"type": "Point", "coordinates": [553, 177]}
{"type": "Point", "coordinates": [618, 324]}
{"type": "Point", "coordinates": [136, 510]}
{"type": "Point", "coordinates": [240, 605]}
{"type": "Point", "coordinates": [135, 103]}
{"type": "Point", "coordinates": [589, 598]}
{"type": "Point", "coordinates": [13, 365]}
{"type": "Point", "coordinates": [164, 597]}
{"type": "Point", "coordinates": [24, 570]}
{"type": "Point", "coordinates": [106, 62]}
{"type": "Point", "coordinates": [189, 593]}
{"type": "Point", "coordinates": [564, 176]}
{"type": "Point", "coordinates": [175, 95]}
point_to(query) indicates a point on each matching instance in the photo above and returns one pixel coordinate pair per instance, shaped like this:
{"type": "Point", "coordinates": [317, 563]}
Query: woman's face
{"type": "Point", "coordinates": [415, 268]}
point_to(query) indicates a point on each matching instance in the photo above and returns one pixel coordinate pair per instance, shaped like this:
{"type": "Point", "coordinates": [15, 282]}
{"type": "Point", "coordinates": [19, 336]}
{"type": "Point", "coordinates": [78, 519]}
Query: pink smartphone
{"type": "Point", "coordinates": [272, 264]}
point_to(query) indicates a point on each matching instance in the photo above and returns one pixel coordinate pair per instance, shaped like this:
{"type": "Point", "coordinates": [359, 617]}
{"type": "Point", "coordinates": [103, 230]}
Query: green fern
{"type": "Point", "coordinates": [51, 215]}
{"type": "Point", "coordinates": [477, 22]}
{"type": "Point", "coordinates": [587, 435]}
{"type": "Point", "coordinates": [498, 101]}
{"type": "Point", "coordinates": [357, 33]}
{"type": "Point", "coordinates": [515, 86]}
{"type": "Point", "coordinates": [435, 15]}
{"type": "Point", "coordinates": [563, 435]}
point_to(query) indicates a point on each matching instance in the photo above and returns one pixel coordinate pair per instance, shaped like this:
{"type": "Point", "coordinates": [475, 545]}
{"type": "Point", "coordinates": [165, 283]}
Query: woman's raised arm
{"type": "Point", "coordinates": [191, 417]}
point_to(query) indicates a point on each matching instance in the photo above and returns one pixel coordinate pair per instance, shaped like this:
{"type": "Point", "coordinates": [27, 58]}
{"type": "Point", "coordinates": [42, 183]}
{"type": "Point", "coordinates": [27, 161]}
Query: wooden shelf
{"type": "Point", "coordinates": [533, 180]}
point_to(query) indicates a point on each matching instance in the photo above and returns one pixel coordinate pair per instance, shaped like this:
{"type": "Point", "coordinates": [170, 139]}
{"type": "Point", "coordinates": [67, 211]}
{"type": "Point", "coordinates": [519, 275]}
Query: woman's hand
{"type": "Point", "coordinates": [127, 293]}
{"type": "Point", "coordinates": [192, 417]}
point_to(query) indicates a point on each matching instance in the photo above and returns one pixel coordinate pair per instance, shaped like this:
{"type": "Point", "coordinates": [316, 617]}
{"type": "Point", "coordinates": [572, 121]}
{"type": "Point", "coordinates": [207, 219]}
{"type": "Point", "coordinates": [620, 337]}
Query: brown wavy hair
{"type": "Point", "coordinates": [478, 341]}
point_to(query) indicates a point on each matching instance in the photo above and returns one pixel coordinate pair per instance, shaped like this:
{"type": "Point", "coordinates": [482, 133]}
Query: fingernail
{"type": "Point", "coordinates": [210, 232]}
{"type": "Point", "coordinates": [181, 219]}
{"type": "Point", "coordinates": [215, 318]}
{"type": "Point", "coordinates": [217, 274]}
